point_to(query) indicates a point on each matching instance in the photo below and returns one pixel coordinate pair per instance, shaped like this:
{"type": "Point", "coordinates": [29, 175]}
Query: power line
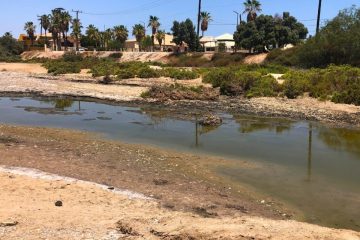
{"type": "Point", "coordinates": [142, 7]}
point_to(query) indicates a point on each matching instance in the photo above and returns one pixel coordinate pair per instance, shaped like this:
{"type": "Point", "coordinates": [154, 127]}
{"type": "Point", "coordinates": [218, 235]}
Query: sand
{"type": "Point", "coordinates": [91, 212]}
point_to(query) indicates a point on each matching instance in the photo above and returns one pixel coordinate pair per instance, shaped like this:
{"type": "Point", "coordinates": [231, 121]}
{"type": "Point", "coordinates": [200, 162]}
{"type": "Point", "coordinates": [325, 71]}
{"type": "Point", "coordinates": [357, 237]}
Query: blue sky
{"type": "Point", "coordinates": [107, 13]}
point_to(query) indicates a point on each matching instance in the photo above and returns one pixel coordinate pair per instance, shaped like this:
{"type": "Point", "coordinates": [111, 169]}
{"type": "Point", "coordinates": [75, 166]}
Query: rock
{"type": "Point", "coordinates": [58, 203]}
{"type": "Point", "coordinates": [111, 188]}
{"type": "Point", "coordinates": [8, 224]}
{"type": "Point", "coordinates": [160, 182]}
{"type": "Point", "coordinates": [210, 120]}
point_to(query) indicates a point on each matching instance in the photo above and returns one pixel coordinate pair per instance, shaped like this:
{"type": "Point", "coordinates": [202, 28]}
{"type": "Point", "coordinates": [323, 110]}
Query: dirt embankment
{"type": "Point", "coordinates": [182, 204]}
{"type": "Point", "coordinates": [126, 56]}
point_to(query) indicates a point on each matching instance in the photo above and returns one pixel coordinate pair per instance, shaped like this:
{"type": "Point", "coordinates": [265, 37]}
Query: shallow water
{"type": "Point", "coordinates": [313, 167]}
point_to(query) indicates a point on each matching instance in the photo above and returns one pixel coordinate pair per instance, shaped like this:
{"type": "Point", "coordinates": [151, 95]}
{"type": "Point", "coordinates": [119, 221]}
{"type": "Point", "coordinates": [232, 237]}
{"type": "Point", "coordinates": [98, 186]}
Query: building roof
{"type": "Point", "coordinates": [207, 39]}
{"type": "Point", "coordinates": [225, 37]}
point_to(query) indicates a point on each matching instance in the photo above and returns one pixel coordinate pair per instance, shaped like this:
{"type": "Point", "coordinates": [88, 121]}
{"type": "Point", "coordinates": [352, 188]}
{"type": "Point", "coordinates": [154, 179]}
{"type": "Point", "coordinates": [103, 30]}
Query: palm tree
{"type": "Point", "coordinates": [45, 21]}
{"type": "Point", "coordinates": [160, 37]}
{"type": "Point", "coordinates": [65, 25]}
{"type": "Point", "coordinates": [252, 8]}
{"type": "Point", "coordinates": [139, 33]}
{"type": "Point", "coordinates": [106, 37]}
{"type": "Point", "coordinates": [93, 34]}
{"type": "Point", "coordinates": [121, 34]}
{"type": "Point", "coordinates": [55, 27]}
{"type": "Point", "coordinates": [154, 24]}
{"type": "Point", "coordinates": [205, 19]}
{"type": "Point", "coordinates": [30, 29]}
{"type": "Point", "coordinates": [76, 31]}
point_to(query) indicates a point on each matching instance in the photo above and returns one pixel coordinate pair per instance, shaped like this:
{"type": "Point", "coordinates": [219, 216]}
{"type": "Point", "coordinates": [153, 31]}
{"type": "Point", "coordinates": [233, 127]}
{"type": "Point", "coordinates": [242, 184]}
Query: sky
{"type": "Point", "coordinates": [108, 13]}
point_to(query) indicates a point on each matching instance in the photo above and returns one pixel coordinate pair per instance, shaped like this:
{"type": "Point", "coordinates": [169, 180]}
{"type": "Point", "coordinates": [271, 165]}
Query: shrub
{"type": "Point", "coordinates": [188, 60]}
{"type": "Point", "coordinates": [222, 47]}
{"type": "Point", "coordinates": [116, 55]}
{"type": "Point", "coordinates": [226, 59]}
{"type": "Point", "coordinates": [266, 86]}
{"type": "Point", "coordinates": [296, 83]}
{"type": "Point", "coordinates": [340, 84]}
{"type": "Point", "coordinates": [147, 72]}
{"type": "Point", "coordinates": [60, 67]}
{"type": "Point", "coordinates": [104, 68]}
{"type": "Point", "coordinates": [288, 57]}
{"type": "Point", "coordinates": [125, 74]}
{"type": "Point", "coordinates": [72, 57]}
{"type": "Point", "coordinates": [179, 74]}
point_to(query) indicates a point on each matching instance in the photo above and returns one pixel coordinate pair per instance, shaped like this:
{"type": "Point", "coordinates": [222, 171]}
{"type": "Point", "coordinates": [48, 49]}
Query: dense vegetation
{"type": "Point", "coordinates": [267, 32]}
{"type": "Point", "coordinates": [340, 84]}
{"type": "Point", "coordinates": [10, 49]}
{"type": "Point", "coordinates": [337, 43]}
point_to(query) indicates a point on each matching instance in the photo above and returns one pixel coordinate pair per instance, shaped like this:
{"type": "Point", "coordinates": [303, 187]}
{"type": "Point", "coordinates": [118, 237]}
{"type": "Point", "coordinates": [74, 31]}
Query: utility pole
{"type": "Point", "coordinates": [199, 19]}
{"type": "Point", "coordinates": [77, 13]}
{"type": "Point", "coordinates": [77, 20]}
{"type": "Point", "coordinates": [318, 18]}
{"type": "Point", "coordinates": [237, 18]}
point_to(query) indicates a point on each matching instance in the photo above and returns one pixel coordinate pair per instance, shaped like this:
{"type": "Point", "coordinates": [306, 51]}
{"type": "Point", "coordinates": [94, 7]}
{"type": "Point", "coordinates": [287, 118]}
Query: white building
{"type": "Point", "coordinates": [211, 44]}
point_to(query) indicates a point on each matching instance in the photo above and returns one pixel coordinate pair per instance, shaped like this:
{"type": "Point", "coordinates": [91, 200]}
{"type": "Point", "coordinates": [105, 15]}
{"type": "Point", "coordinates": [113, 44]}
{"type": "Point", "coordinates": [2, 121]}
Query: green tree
{"type": "Point", "coordinates": [146, 43]}
{"type": "Point", "coordinates": [93, 34]}
{"type": "Point", "coordinates": [121, 34]}
{"type": "Point", "coordinates": [9, 46]}
{"type": "Point", "coordinates": [139, 33]}
{"type": "Point", "coordinates": [205, 19]}
{"type": "Point", "coordinates": [30, 29]}
{"type": "Point", "coordinates": [252, 8]}
{"type": "Point", "coordinates": [160, 37]}
{"type": "Point", "coordinates": [56, 27]}
{"type": "Point", "coordinates": [289, 30]}
{"type": "Point", "coordinates": [154, 24]}
{"type": "Point", "coordinates": [184, 32]}
{"type": "Point", "coordinates": [65, 20]}
{"type": "Point", "coordinates": [45, 22]}
{"type": "Point", "coordinates": [336, 43]}
{"type": "Point", "coordinates": [267, 32]}
{"type": "Point", "coordinates": [76, 31]}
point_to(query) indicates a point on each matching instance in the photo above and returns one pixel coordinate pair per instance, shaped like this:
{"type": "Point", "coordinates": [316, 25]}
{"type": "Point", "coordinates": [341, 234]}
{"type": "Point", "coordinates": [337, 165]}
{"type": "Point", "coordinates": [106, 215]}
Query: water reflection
{"type": "Point", "coordinates": [254, 124]}
{"type": "Point", "coordinates": [309, 162]}
{"type": "Point", "coordinates": [341, 139]}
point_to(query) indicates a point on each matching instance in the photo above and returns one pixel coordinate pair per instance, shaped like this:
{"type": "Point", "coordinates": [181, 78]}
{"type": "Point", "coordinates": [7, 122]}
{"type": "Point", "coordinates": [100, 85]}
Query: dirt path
{"type": "Point", "coordinates": [91, 212]}
{"type": "Point", "coordinates": [23, 68]}
{"type": "Point", "coordinates": [22, 82]}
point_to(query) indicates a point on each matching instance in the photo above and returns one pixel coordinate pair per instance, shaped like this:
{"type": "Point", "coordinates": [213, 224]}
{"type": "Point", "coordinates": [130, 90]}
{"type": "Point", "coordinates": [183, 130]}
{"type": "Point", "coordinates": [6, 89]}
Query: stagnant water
{"type": "Point", "coordinates": [313, 167]}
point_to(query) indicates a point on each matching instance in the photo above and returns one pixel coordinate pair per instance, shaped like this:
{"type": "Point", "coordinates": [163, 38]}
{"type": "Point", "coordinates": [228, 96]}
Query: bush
{"type": "Point", "coordinates": [179, 74]}
{"type": "Point", "coordinates": [147, 72]}
{"type": "Point", "coordinates": [296, 83]}
{"type": "Point", "coordinates": [188, 60]}
{"type": "Point", "coordinates": [125, 74]}
{"type": "Point", "coordinates": [226, 59]}
{"type": "Point", "coordinates": [266, 86]}
{"type": "Point", "coordinates": [235, 82]}
{"type": "Point", "coordinates": [288, 57]}
{"type": "Point", "coordinates": [72, 57]}
{"type": "Point", "coordinates": [116, 55]}
{"type": "Point", "coordinates": [60, 67]}
{"type": "Point", "coordinates": [339, 84]}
